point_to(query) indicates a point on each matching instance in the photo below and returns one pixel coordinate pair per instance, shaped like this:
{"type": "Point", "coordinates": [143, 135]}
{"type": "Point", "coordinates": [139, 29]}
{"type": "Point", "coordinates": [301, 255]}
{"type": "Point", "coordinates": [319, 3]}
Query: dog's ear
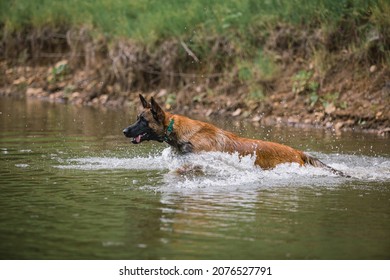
{"type": "Point", "coordinates": [145, 103]}
{"type": "Point", "coordinates": [158, 113]}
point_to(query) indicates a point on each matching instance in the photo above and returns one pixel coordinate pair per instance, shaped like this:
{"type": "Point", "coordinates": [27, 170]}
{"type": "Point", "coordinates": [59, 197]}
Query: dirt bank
{"type": "Point", "coordinates": [302, 79]}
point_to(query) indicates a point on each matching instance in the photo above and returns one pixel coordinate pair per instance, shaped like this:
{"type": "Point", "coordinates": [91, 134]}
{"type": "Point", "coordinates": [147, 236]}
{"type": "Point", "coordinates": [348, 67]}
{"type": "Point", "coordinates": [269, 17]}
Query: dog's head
{"type": "Point", "coordinates": [149, 124]}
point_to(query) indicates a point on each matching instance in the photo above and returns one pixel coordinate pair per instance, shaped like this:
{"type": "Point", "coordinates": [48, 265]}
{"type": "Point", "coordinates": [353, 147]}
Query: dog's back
{"type": "Point", "coordinates": [207, 137]}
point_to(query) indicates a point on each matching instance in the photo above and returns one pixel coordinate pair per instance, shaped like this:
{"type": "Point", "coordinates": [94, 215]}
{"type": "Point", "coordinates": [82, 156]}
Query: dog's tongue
{"type": "Point", "coordinates": [138, 138]}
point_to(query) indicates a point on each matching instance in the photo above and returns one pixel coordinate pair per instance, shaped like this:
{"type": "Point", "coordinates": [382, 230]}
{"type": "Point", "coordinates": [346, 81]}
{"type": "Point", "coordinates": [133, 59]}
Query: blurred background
{"type": "Point", "coordinates": [320, 62]}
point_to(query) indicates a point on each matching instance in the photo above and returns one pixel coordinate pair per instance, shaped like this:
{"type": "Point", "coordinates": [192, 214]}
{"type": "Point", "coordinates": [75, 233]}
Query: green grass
{"type": "Point", "coordinates": [151, 20]}
{"type": "Point", "coordinates": [228, 36]}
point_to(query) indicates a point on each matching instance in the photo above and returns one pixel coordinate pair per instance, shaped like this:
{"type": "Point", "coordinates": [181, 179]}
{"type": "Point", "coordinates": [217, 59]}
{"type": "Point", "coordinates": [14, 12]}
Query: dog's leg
{"type": "Point", "coordinates": [189, 169]}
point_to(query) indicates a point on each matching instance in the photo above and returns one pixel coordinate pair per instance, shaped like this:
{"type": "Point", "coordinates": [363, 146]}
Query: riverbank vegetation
{"type": "Point", "coordinates": [321, 62]}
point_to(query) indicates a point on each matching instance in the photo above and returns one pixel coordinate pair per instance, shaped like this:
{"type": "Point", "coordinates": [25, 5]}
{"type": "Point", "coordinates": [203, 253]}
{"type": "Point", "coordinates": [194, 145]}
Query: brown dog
{"type": "Point", "coordinates": [187, 135]}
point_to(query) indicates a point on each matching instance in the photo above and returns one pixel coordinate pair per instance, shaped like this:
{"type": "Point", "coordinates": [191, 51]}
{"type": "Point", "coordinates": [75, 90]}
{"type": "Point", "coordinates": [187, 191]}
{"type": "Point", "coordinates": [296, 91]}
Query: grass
{"type": "Point", "coordinates": [152, 20]}
{"type": "Point", "coordinates": [242, 25]}
{"type": "Point", "coordinates": [242, 22]}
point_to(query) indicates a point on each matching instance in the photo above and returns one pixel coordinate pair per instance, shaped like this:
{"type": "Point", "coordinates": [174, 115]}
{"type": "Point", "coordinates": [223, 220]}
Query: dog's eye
{"type": "Point", "coordinates": [141, 118]}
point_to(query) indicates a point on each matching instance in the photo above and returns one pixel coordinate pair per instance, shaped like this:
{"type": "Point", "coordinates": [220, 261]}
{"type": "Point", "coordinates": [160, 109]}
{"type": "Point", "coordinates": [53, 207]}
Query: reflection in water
{"type": "Point", "coordinates": [74, 188]}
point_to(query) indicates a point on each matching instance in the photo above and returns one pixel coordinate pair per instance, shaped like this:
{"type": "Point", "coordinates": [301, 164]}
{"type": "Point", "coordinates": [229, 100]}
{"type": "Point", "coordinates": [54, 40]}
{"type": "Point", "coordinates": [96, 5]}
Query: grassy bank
{"type": "Point", "coordinates": [246, 24]}
{"type": "Point", "coordinates": [253, 56]}
{"type": "Point", "coordinates": [241, 21]}
{"type": "Point", "coordinates": [153, 20]}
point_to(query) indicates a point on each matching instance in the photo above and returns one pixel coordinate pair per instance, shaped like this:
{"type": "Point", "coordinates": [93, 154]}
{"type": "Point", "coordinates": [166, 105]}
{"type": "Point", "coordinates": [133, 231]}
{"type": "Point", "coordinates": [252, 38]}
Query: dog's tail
{"type": "Point", "coordinates": [310, 160]}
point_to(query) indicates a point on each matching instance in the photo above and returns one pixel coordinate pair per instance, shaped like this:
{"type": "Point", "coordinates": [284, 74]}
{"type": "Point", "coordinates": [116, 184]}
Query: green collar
{"type": "Point", "coordinates": [169, 130]}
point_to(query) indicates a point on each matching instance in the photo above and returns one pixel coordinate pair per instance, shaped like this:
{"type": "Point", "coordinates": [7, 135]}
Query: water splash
{"type": "Point", "coordinates": [221, 170]}
{"type": "Point", "coordinates": [109, 163]}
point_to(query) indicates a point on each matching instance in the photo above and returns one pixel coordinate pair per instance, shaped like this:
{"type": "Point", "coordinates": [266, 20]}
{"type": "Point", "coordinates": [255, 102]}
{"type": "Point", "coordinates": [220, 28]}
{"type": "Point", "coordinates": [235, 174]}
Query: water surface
{"type": "Point", "coordinates": [72, 187]}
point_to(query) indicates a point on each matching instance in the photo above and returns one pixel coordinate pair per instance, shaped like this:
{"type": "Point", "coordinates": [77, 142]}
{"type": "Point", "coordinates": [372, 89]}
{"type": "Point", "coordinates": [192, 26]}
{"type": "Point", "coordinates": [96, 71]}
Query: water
{"type": "Point", "coordinates": [72, 187]}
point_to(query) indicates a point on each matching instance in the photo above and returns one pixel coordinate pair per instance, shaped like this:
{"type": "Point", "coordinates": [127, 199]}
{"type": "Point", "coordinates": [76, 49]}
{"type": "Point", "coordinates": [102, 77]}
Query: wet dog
{"type": "Point", "coordinates": [186, 135]}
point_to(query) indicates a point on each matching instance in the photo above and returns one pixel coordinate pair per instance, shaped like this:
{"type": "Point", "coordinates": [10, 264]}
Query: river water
{"type": "Point", "coordinates": [73, 187]}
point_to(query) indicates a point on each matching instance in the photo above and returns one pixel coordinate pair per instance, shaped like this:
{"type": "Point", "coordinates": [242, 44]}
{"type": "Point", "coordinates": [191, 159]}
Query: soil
{"type": "Point", "coordinates": [344, 93]}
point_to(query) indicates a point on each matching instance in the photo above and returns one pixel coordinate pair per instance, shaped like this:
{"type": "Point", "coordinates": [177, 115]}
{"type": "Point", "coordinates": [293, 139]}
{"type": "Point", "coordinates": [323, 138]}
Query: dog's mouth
{"type": "Point", "coordinates": [139, 138]}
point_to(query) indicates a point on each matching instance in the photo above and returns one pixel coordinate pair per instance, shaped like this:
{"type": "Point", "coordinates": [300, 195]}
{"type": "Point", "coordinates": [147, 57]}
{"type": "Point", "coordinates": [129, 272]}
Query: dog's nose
{"type": "Point", "coordinates": [125, 131]}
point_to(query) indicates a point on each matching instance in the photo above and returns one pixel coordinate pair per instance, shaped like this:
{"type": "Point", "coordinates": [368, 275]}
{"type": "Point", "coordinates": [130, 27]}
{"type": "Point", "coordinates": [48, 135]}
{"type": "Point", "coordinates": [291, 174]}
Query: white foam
{"type": "Point", "coordinates": [221, 170]}
{"type": "Point", "coordinates": [99, 163]}
{"type": "Point", "coordinates": [22, 165]}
